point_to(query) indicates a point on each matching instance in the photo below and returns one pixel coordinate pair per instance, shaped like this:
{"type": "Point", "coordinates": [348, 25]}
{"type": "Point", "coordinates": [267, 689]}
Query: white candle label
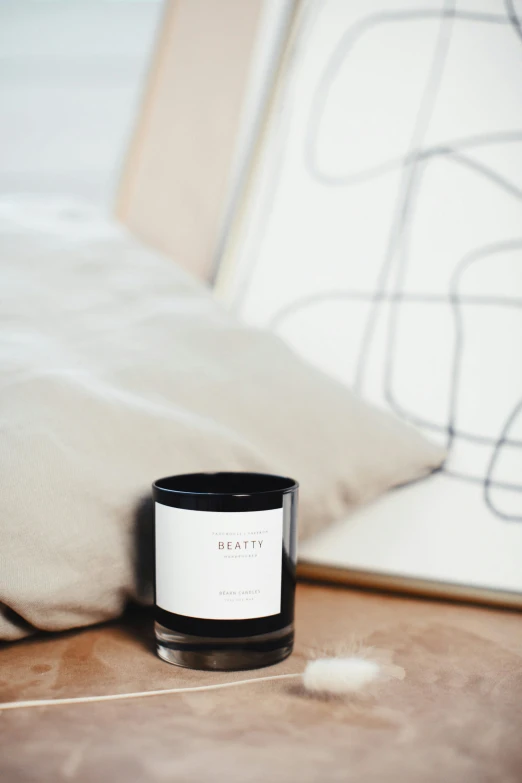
{"type": "Point", "coordinates": [219, 565]}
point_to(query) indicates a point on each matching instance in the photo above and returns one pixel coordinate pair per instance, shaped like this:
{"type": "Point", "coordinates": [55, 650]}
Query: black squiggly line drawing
{"type": "Point", "coordinates": [489, 483]}
{"type": "Point", "coordinates": [512, 190]}
{"type": "Point", "coordinates": [341, 53]}
{"type": "Point", "coordinates": [307, 23]}
{"type": "Point", "coordinates": [455, 299]}
{"type": "Point", "coordinates": [397, 246]}
{"type": "Point", "coordinates": [388, 287]}
{"type": "Point", "coordinates": [513, 16]}
{"type": "Point", "coordinates": [408, 173]}
{"type": "Point", "coordinates": [452, 145]}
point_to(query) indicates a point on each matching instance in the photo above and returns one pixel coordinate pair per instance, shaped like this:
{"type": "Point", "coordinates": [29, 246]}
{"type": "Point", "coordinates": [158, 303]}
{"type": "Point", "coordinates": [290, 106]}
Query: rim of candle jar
{"type": "Point", "coordinates": [232, 484]}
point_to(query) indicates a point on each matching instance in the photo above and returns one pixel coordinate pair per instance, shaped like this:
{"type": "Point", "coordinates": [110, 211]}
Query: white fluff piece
{"type": "Point", "coordinates": [339, 675]}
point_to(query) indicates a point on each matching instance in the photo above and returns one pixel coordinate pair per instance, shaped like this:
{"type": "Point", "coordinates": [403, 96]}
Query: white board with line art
{"type": "Point", "coordinates": [381, 236]}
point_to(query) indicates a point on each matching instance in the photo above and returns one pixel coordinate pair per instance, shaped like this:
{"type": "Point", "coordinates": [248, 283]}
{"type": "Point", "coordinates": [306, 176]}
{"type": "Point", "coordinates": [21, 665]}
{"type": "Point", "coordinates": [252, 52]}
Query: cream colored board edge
{"type": "Point", "coordinates": [411, 586]}
{"type": "Point", "coordinates": [226, 265]}
{"type": "Point", "coordinates": [277, 21]}
{"type": "Point", "coordinates": [133, 182]}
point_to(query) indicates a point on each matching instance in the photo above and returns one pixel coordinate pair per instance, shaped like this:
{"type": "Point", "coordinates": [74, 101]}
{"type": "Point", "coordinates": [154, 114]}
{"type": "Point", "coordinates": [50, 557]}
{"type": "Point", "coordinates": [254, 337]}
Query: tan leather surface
{"type": "Point", "coordinates": [456, 716]}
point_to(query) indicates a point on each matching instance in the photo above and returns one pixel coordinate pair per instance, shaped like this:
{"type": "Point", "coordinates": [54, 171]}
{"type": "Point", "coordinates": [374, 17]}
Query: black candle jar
{"type": "Point", "coordinates": [225, 569]}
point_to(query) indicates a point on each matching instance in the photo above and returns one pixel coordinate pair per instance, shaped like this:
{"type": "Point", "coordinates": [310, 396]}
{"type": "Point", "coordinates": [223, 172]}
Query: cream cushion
{"type": "Point", "coordinates": [116, 368]}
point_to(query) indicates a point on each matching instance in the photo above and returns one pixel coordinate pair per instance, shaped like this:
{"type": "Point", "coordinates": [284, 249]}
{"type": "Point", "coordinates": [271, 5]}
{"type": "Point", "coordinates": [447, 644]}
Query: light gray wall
{"type": "Point", "coordinates": [71, 73]}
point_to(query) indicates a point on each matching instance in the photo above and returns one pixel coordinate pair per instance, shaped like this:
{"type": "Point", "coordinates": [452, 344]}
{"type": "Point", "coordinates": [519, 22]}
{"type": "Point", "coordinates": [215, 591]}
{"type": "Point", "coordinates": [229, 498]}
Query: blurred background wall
{"type": "Point", "coordinates": [71, 77]}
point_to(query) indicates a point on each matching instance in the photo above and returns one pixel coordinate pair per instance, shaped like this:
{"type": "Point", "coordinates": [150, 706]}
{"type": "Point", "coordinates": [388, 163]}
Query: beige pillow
{"type": "Point", "coordinates": [116, 368]}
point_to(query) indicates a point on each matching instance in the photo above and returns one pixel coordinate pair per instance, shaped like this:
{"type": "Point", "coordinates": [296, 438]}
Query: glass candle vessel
{"type": "Point", "coordinates": [225, 548]}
